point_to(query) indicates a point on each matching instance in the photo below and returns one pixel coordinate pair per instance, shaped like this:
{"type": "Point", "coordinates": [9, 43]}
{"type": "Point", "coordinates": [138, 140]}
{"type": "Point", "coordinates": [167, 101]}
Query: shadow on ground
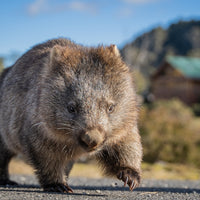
{"type": "Point", "coordinates": [37, 189]}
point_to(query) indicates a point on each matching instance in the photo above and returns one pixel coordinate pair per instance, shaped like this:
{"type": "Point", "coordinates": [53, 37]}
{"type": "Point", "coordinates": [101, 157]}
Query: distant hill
{"type": "Point", "coordinates": [147, 51]}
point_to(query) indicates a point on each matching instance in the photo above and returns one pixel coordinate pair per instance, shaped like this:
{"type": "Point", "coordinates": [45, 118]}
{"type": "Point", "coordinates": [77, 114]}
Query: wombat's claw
{"type": "Point", "coordinates": [130, 177]}
{"type": "Point", "coordinates": [126, 181]}
{"type": "Point", "coordinates": [8, 182]}
{"type": "Point", "coordinates": [133, 185]}
{"type": "Point", "coordinates": [120, 175]}
{"type": "Point", "coordinates": [58, 187]}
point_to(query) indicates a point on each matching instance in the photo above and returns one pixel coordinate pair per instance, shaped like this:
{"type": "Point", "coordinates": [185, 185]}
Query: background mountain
{"type": "Point", "coordinates": [147, 51]}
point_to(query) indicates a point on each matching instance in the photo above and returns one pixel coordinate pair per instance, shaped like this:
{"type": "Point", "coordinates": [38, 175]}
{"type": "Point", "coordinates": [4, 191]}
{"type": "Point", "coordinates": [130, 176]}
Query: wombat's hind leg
{"type": "Point", "coordinates": [5, 157]}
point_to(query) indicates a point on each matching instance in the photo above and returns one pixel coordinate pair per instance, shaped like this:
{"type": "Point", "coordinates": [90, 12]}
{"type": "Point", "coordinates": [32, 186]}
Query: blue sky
{"type": "Point", "coordinates": [25, 23]}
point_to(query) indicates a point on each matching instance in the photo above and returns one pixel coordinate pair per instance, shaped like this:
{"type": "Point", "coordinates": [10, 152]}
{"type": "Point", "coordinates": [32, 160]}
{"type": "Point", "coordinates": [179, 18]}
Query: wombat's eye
{"type": "Point", "coordinates": [71, 109]}
{"type": "Point", "coordinates": [111, 108]}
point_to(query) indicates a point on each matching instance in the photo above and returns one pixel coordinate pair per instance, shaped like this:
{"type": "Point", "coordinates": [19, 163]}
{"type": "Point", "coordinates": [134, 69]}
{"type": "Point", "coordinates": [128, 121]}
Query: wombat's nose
{"type": "Point", "coordinates": [91, 139]}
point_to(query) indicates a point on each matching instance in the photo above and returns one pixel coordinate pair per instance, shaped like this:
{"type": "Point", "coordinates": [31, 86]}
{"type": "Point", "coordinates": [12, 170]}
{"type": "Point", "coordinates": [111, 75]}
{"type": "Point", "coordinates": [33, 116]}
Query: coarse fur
{"type": "Point", "coordinates": [60, 101]}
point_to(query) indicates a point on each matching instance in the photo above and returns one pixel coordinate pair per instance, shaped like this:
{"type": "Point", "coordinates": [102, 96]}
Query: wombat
{"type": "Point", "coordinates": [60, 101]}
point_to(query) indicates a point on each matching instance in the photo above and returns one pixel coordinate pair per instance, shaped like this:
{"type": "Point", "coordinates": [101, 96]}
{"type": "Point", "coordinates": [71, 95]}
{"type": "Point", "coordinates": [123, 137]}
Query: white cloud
{"type": "Point", "coordinates": [125, 12]}
{"type": "Point", "coordinates": [139, 1]}
{"type": "Point", "coordinates": [37, 7]}
{"type": "Point", "coordinates": [82, 7]}
{"type": "Point", "coordinates": [45, 6]}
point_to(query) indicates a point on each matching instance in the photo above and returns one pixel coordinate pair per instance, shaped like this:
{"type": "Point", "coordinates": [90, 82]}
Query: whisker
{"type": "Point", "coordinates": [64, 128]}
{"type": "Point", "coordinates": [37, 124]}
{"type": "Point", "coordinates": [64, 124]}
{"type": "Point", "coordinates": [77, 123]}
{"type": "Point", "coordinates": [67, 126]}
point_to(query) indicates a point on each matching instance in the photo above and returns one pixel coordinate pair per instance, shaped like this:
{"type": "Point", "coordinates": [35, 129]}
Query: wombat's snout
{"type": "Point", "coordinates": [91, 139]}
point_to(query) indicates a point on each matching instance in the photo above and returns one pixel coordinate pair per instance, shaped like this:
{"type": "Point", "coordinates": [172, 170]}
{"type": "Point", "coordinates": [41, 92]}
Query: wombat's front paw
{"type": "Point", "coordinates": [130, 177]}
{"type": "Point", "coordinates": [58, 187]}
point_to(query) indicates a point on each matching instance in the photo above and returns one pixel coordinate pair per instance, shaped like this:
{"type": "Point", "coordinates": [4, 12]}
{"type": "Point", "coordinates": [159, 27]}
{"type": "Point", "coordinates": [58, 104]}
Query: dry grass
{"type": "Point", "coordinates": [162, 170]}
{"type": "Point", "coordinates": [157, 171]}
{"type": "Point", "coordinates": [17, 166]}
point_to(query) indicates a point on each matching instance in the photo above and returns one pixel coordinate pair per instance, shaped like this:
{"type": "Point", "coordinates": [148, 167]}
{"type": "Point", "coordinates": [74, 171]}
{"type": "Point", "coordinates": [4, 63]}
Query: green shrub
{"type": "Point", "coordinates": [170, 132]}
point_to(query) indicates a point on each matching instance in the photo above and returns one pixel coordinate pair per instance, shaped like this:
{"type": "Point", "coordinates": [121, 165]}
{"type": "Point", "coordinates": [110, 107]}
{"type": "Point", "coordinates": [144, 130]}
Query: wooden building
{"type": "Point", "coordinates": [177, 77]}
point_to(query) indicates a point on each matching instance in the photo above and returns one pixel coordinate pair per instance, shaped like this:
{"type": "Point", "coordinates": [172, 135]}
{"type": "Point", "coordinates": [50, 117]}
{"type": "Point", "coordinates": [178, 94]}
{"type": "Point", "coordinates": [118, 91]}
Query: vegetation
{"type": "Point", "coordinates": [140, 81]}
{"type": "Point", "coordinates": [1, 64]}
{"type": "Point", "coordinates": [170, 132]}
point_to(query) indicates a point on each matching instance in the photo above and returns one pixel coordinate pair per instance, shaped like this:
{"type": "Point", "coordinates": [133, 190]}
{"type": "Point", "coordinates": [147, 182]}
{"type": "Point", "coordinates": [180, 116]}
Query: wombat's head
{"type": "Point", "coordinates": [88, 96]}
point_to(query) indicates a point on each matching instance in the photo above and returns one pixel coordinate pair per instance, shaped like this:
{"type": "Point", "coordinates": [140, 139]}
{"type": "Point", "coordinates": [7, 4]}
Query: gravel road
{"type": "Point", "coordinates": [101, 189]}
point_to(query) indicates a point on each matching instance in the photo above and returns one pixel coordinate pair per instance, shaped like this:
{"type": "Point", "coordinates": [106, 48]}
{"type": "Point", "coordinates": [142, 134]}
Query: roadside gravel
{"type": "Point", "coordinates": [103, 189]}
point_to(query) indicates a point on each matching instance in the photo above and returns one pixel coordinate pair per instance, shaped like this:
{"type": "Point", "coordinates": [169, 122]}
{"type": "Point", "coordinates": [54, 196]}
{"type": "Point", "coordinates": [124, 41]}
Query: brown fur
{"type": "Point", "coordinates": [60, 101]}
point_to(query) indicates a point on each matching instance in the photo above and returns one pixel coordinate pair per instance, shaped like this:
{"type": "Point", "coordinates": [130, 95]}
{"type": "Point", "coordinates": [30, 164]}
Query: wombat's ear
{"type": "Point", "coordinates": [113, 49]}
{"type": "Point", "coordinates": [61, 55]}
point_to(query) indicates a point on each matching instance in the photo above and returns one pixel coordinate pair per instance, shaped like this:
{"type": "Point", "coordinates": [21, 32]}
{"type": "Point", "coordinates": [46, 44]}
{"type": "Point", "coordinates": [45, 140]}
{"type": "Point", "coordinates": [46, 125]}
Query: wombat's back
{"type": "Point", "coordinates": [39, 52]}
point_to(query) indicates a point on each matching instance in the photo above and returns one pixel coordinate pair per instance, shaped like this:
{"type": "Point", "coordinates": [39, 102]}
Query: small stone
{"type": "Point", "coordinates": [114, 184]}
{"type": "Point", "coordinates": [98, 191]}
{"type": "Point", "coordinates": [86, 193]}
